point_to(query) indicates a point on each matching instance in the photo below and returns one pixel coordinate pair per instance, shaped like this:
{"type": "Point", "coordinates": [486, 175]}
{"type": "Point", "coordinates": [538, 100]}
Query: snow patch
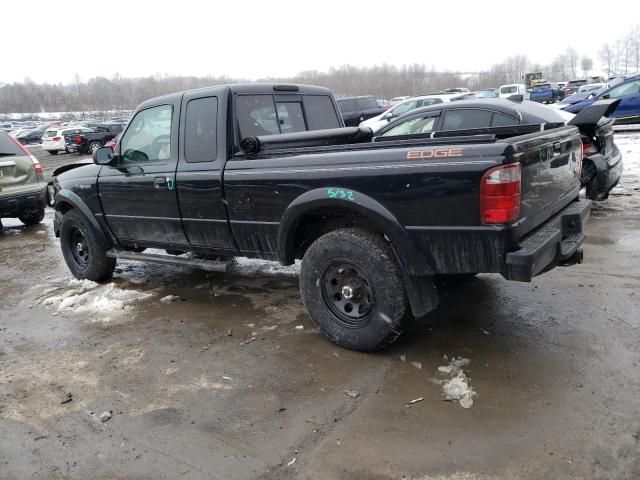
{"type": "Point", "coordinates": [98, 302]}
{"type": "Point", "coordinates": [253, 266]}
{"type": "Point", "coordinates": [457, 387]}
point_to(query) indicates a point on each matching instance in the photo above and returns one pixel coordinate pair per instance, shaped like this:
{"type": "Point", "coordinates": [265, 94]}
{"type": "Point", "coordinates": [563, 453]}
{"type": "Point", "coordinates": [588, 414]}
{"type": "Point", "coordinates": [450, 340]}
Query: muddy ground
{"type": "Point", "coordinates": [223, 385]}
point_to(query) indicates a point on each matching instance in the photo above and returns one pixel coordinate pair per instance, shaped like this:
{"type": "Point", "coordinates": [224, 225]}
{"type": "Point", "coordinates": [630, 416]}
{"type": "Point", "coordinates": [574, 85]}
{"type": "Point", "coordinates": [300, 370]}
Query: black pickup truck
{"type": "Point", "coordinates": [358, 109]}
{"type": "Point", "coordinates": [91, 141]}
{"type": "Point", "coordinates": [206, 174]}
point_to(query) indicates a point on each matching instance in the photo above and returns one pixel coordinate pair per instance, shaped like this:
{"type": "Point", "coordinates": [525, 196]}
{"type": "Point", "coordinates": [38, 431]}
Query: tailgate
{"type": "Point", "coordinates": [550, 163]}
{"type": "Point", "coordinates": [17, 173]}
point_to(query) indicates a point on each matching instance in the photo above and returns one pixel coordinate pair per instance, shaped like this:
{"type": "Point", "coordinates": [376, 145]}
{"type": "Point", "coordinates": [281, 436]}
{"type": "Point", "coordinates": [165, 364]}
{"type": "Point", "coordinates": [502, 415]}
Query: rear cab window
{"type": "Point", "coordinates": [265, 114]}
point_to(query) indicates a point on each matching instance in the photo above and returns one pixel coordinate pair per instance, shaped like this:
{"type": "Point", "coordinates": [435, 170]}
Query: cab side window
{"type": "Point", "coordinates": [148, 138]}
{"type": "Point", "coordinates": [200, 142]}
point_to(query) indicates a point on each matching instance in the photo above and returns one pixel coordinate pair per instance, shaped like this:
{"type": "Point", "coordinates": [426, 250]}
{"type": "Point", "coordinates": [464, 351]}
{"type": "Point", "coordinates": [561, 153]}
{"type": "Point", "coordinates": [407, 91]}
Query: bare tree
{"type": "Point", "coordinates": [607, 57]}
{"type": "Point", "coordinates": [572, 61]}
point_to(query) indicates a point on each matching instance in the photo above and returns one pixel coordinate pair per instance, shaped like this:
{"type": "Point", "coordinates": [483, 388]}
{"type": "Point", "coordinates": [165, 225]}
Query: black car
{"type": "Point", "coordinates": [602, 160]}
{"type": "Point", "coordinates": [32, 136]}
{"type": "Point", "coordinates": [357, 109]}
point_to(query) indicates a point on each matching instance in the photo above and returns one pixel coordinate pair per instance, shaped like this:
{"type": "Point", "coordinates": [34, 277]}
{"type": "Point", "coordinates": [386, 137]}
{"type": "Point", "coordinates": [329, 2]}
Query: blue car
{"type": "Point", "coordinates": [545, 93]}
{"type": "Point", "coordinates": [628, 92]}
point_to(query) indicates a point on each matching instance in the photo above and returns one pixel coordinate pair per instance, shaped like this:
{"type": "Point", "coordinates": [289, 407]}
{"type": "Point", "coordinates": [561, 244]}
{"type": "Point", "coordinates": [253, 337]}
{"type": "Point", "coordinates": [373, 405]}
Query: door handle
{"type": "Point", "coordinates": [159, 182]}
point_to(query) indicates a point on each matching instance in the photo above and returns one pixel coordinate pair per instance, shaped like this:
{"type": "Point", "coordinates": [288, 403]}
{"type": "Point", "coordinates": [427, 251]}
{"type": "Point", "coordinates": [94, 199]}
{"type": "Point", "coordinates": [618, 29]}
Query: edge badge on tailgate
{"type": "Point", "coordinates": [434, 153]}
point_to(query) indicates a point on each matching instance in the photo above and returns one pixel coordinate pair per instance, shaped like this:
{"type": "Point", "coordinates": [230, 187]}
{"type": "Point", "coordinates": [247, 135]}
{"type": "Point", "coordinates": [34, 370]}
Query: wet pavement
{"type": "Point", "coordinates": [221, 384]}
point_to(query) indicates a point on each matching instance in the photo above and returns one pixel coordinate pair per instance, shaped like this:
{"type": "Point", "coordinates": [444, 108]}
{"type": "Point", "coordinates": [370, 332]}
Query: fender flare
{"type": "Point", "coordinates": [67, 196]}
{"type": "Point", "coordinates": [412, 259]}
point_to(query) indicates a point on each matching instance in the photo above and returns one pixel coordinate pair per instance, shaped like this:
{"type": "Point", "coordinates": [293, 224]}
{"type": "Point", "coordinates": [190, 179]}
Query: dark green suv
{"type": "Point", "coordinates": [22, 186]}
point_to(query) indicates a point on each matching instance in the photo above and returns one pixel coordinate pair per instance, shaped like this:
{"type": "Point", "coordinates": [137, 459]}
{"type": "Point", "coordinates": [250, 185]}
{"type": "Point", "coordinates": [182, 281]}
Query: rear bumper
{"type": "Point", "coordinates": [17, 205]}
{"type": "Point", "coordinates": [556, 242]}
{"type": "Point", "coordinates": [608, 174]}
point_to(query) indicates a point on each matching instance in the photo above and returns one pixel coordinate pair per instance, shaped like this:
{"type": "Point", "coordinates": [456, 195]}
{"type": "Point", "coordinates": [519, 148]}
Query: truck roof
{"type": "Point", "coordinates": [240, 88]}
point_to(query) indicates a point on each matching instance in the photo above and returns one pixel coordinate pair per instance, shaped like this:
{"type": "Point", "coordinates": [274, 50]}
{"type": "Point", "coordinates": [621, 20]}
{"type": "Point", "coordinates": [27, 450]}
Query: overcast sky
{"type": "Point", "coordinates": [51, 41]}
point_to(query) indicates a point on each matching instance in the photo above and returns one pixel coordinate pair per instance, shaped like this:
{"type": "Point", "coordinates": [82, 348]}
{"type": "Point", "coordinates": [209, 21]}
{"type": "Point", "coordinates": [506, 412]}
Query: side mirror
{"type": "Point", "coordinates": [388, 116]}
{"type": "Point", "coordinates": [606, 95]}
{"type": "Point", "coordinates": [103, 156]}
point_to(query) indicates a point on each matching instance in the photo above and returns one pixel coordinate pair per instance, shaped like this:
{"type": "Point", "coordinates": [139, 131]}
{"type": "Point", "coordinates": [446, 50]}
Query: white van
{"type": "Point", "coordinates": [506, 91]}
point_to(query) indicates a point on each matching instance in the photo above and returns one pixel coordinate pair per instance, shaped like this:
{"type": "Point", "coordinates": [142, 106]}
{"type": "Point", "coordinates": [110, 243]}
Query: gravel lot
{"type": "Point", "coordinates": [222, 383]}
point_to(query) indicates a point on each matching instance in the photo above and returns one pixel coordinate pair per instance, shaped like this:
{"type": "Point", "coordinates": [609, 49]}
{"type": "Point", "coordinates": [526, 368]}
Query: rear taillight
{"type": "Point", "coordinates": [500, 194]}
{"type": "Point", "coordinates": [589, 149]}
{"type": "Point", "coordinates": [78, 139]}
{"type": "Point", "coordinates": [36, 164]}
{"type": "Point", "coordinates": [55, 139]}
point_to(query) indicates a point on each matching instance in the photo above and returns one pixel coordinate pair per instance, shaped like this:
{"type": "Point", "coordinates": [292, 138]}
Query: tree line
{"type": "Point", "coordinates": [101, 94]}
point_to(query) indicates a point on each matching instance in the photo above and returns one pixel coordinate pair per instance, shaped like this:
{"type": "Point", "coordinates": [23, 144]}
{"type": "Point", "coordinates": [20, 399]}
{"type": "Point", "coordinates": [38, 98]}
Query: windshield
{"type": "Point", "coordinates": [509, 89]}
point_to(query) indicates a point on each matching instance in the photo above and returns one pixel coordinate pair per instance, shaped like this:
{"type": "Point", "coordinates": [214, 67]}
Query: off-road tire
{"type": "Point", "coordinates": [371, 269]}
{"type": "Point", "coordinates": [32, 217]}
{"type": "Point", "coordinates": [97, 266]}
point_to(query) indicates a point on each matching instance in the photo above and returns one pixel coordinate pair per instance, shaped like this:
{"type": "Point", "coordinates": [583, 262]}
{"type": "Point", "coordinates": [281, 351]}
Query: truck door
{"type": "Point", "coordinates": [138, 194]}
{"type": "Point", "coordinates": [202, 156]}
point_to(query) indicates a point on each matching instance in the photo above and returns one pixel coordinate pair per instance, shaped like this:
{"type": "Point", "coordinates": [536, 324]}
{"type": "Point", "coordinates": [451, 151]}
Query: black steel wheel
{"type": "Point", "coordinates": [347, 292]}
{"type": "Point", "coordinates": [353, 289]}
{"type": "Point", "coordinates": [84, 249]}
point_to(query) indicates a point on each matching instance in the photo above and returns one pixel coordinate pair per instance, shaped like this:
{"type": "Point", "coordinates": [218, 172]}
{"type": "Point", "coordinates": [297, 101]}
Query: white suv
{"type": "Point", "coordinates": [53, 138]}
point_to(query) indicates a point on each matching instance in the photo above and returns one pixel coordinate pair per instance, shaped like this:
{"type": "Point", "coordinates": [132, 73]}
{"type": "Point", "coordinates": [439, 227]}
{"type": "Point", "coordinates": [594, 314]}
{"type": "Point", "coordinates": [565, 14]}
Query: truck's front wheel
{"type": "Point", "coordinates": [84, 251]}
{"type": "Point", "coordinates": [353, 289]}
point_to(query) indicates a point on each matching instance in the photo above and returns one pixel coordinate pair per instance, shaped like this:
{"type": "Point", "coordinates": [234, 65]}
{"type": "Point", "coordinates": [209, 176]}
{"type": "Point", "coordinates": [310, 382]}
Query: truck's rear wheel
{"type": "Point", "coordinates": [84, 251]}
{"type": "Point", "coordinates": [93, 146]}
{"type": "Point", "coordinates": [353, 289]}
{"type": "Point", "coordinates": [32, 217]}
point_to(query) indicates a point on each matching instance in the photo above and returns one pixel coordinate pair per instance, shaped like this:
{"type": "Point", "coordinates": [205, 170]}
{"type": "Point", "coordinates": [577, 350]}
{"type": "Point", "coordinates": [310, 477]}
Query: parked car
{"type": "Point", "coordinates": [547, 92]}
{"type": "Point", "coordinates": [573, 85]}
{"type": "Point", "coordinates": [22, 193]}
{"type": "Point", "coordinates": [357, 109]}
{"type": "Point", "coordinates": [53, 139]}
{"type": "Point", "coordinates": [590, 87]}
{"type": "Point", "coordinates": [396, 100]}
{"type": "Point", "coordinates": [628, 111]}
{"type": "Point", "coordinates": [457, 90]}
{"type": "Point", "coordinates": [373, 219]}
{"type": "Point", "coordinates": [384, 103]}
{"type": "Point", "coordinates": [602, 161]}
{"type": "Point", "coordinates": [578, 97]}
{"type": "Point", "coordinates": [32, 136]}
{"type": "Point", "coordinates": [512, 89]}
{"type": "Point", "coordinates": [89, 142]}
{"type": "Point", "coordinates": [379, 121]}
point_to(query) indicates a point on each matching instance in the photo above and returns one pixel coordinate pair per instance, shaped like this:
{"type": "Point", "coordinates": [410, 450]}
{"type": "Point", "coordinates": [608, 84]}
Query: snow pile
{"type": "Point", "coordinates": [99, 302]}
{"type": "Point", "coordinates": [253, 266]}
{"type": "Point", "coordinates": [457, 386]}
